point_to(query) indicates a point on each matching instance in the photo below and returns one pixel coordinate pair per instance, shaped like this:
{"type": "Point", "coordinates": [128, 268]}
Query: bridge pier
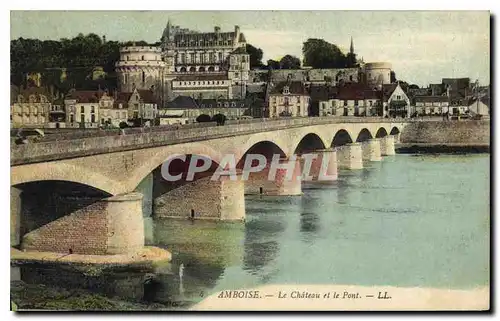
{"type": "Point", "coordinates": [325, 164]}
{"type": "Point", "coordinates": [371, 150]}
{"type": "Point", "coordinates": [397, 137]}
{"type": "Point", "coordinates": [113, 225]}
{"type": "Point", "coordinates": [387, 146]}
{"type": "Point", "coordinates": [15, 216]}
{"type": "Point", "coordinates": [259, 183]}
{"type": "Point", "coordinates": [350, 156]}
{"type": "Point", "coordinates": [146, 189]}
{"type": "Point", "coordinates": [221, 199]}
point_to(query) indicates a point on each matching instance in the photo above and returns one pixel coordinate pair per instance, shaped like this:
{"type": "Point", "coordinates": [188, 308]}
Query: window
{"type": "Point", "coordinates": [370, 102]}
{"type": "Point", "coordinates": [345, 102]}
{"type": "Point", "coordinates": [82, 109]}
{"type": "Point", "coordinates": [220, 56]}
{"type": "Point", "coordinates": [142, 57]}
{"type": "Point", "coordinates": [298, 110]}
{"type": "Point", "coordinates": [350, 78]}
{"type": "Point", "coordinates": [126, 78]}
{"type": "Point", "coordinates": [355, 102]}
{"type": "Point", "coordinates": [193, 58]}
{"type": "Point", "coordinates": [398, 97]}
{"type": "Point", "coordinates": [92, 118]}
{"type": "Point", "coordinates": [128, 58]}
{"type": "Point", "coordinates": [143, 77]}
{"type": "Point", "coordinates": [183, 58]}
{"type": "Point", "coordinates": [287, 101]}
{"type": "Point", "coordinates": [71, 118]}
{"type": "Point", "coordinates": [286, 90]}
{"type": "Point", "coordinates": [92, 109]}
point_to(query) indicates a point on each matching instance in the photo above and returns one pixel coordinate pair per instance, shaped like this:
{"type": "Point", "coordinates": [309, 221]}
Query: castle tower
{"type": "Point", "coordinates": [238, 73]}
{"type": "Point", "coordinates": [140, 67]}
{"type": "Point", "coordinates": [351, 49]}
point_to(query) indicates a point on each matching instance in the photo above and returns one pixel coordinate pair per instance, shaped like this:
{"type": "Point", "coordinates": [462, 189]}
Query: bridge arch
{"type": "Point", "coordinates": [381, 132]}
{"type": "Point", "coordinates": [37, 203]}
{"type": "Point", "coordinates": [364, 135]}
{"type": "Point", "coordinates": [278, 141]}
{"type": "Point", "coordinates": [342, 137]}
{"type": "Point", "coordinates": [265, 148]}
{"type": "Point", "coordinates": [309, 142]}
{"type": "Point", "coordinates": [164, 153]}
{"type": "Point", "coordinates": [394, 131]}
{"type": "Point", "coordinates": [61, 171]}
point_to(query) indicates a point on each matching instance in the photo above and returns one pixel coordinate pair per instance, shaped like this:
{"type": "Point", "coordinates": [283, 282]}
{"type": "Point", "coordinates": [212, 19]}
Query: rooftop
{"type": "Point", "coordinates": [294, 87]}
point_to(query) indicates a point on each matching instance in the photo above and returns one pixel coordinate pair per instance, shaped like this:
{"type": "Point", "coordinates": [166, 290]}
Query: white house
{"type": "Point", "coordinates": [432, 105]}
{"type": "Point", "coordinates": [288, 99]}
{"type": "Point", "coordinates": [82, 108]}
{"type": "Point", "coordinates": [396, 101]}
{"type": "Point", "coordinates": [480, 106]}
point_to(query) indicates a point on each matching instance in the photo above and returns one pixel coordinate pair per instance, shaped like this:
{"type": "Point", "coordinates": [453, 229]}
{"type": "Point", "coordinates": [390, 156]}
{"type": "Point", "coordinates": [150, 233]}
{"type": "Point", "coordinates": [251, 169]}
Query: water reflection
{"type": "Point", "coordinates": [310, 223]}
{"type": "Point", "coordinates": [204, 249]}
{"type": "Point", "coordinates": [266, 220]}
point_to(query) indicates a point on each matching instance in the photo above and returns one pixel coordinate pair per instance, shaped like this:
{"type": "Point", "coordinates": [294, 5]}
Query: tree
{"type": "Point", "coordinates": [256, 55]}
{"type": "Point", "coordinates": [351, 60]}
{"type": "Point", "coordinates": [123, 125]}
{"type": "Point", "coordinates": [413, 86]}
{"type": "Point", "coordinates": [321, 54]}
{"type": "Point", "coordinates": [203, 118]}
{"type": "Point", "coordinates": [273, 64]}
{"type": "Point", "coordinates": [220, 119]}
{"type": "Point", "coordinates": [393, 77]}
{"type": "Point", "coordinates": [289, 62]}
{"type": "Point", "coordinates": [78, 56]}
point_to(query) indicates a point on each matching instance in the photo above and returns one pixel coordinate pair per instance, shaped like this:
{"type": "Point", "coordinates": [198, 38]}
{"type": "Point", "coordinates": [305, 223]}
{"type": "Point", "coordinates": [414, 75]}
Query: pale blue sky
{"type": "Point", "coordinates": [423, 46]}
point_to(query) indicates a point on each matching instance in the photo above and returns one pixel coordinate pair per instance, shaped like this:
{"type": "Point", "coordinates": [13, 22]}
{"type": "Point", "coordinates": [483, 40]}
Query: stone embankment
{"type": "Point", "coordinates": [445, 136]}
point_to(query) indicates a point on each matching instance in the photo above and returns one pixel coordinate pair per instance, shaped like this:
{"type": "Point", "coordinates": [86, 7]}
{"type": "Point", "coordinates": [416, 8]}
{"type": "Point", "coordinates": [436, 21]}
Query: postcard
{"type": "Point", "coordinates": [250, 161]}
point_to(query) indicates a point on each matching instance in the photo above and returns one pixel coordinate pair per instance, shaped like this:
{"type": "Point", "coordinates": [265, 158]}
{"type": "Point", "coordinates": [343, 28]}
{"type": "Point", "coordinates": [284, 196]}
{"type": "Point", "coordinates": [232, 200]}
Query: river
{"type": "Point", "coordinates": [408, 221]}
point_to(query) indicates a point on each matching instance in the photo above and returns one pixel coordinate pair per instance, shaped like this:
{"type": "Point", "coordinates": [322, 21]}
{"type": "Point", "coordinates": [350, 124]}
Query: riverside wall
{"type": "Point", "coordinates": [471, 136]}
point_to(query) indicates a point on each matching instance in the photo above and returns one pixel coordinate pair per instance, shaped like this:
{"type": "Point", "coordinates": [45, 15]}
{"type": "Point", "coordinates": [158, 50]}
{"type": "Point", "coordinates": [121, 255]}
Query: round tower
{"type": "Point", "coordinates": [377, 73]}
{"type": "Point", "coordinates": [140, 67]}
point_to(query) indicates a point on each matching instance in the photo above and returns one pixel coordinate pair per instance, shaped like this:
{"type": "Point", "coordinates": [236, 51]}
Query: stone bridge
{"type": "Point", "coordinates": [92, 195]}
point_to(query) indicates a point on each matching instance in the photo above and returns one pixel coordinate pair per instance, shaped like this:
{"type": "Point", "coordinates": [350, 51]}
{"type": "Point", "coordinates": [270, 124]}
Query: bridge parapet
{"type": "Point", "coordinates": [60, 149]}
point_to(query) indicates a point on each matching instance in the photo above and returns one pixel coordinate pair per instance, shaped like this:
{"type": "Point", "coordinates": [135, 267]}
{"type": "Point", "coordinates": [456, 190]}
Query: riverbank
{"type": "Point", "coordinates": [39, 297]}
{"type": "Point", "coordinates": [439, 148]}
{"type": "Point", "coordinates": [149, 254]}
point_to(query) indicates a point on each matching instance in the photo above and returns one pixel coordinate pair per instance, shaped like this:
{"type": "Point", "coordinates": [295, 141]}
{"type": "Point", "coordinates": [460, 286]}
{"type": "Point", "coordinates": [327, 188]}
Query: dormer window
{"type": "Point", "coordinates": [286, 90]}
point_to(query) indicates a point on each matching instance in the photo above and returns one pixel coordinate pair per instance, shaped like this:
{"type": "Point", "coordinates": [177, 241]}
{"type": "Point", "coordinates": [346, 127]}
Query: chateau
{"type": "Point", "coordinates": [212, 65]}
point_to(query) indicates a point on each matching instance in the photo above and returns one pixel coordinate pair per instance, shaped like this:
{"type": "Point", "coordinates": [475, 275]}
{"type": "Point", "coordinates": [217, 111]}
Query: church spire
{"type": "Point", "coordinates": [352, 47]}
{"type": "Point", "coordinates": [165, 38]}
